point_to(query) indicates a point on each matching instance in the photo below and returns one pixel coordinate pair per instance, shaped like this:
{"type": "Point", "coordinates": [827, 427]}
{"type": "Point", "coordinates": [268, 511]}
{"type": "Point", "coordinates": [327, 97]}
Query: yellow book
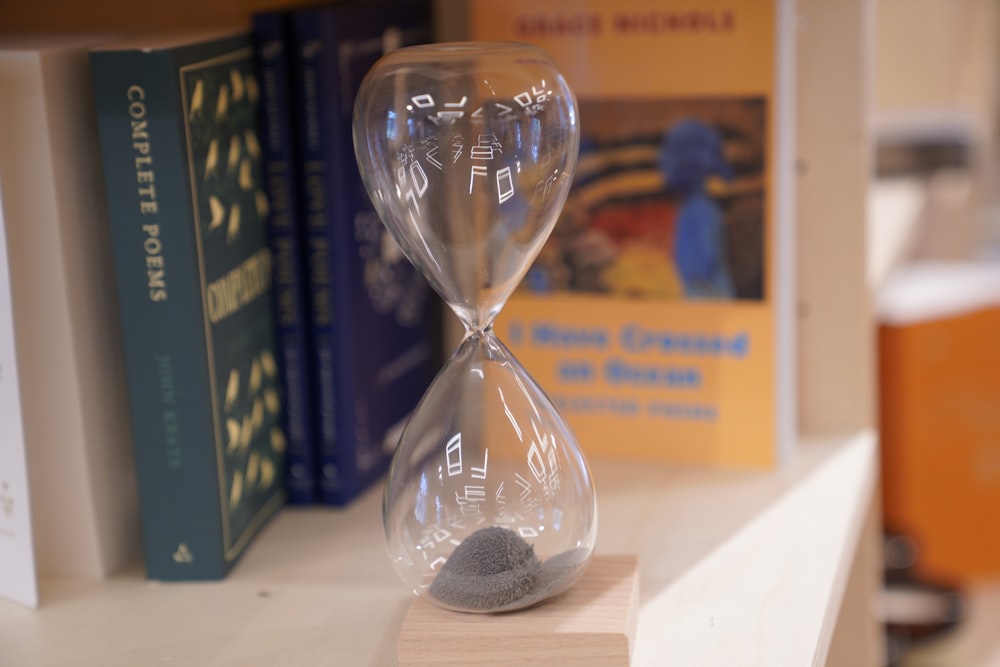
{"type": "Point", "coordinates": [659, 316]}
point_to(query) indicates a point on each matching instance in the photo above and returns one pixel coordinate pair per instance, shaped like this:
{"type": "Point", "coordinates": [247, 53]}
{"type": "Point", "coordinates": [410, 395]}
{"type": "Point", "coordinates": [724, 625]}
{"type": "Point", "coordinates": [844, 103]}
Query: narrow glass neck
{"type": "Point", "coordinates": [477, 319]}
{"type": "Point", "coordinates": [473, 330]}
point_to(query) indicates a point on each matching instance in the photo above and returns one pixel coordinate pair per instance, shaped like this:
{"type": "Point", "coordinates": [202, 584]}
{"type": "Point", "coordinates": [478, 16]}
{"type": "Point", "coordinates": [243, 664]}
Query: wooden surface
{"type": "Point", "coordinates": [18, 17]}
{"type": "Point", "coordinates": [735, 568]}
{"type": "Point", "coordinates": [593, 623]}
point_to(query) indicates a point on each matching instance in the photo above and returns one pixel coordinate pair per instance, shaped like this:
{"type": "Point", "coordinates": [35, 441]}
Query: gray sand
{"type": "Point", "coordinates": [494, 569]}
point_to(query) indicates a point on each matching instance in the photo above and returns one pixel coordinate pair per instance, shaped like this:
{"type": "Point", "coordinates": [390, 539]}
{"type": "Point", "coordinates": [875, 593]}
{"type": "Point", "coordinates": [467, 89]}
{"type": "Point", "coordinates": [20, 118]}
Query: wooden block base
{"type": "Point", "coordinates": [591, 624]}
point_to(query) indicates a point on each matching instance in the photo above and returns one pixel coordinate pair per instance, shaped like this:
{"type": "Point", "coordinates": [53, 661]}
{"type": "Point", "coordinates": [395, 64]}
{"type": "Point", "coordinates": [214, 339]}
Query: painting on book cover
{"type": "Point", "coordinates": [668, 203]}
{"type": "Point", "coordinates": [231, 208]}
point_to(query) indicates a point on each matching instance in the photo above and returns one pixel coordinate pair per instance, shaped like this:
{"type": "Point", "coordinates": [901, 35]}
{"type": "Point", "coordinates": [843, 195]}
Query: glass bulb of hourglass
{"type": "Point", "coordinates": [468, 151]}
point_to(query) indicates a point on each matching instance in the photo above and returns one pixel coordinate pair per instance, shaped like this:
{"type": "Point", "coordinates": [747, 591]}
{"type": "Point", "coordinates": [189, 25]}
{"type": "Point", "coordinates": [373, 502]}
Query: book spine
{"type": "Point", "coordinates": [157, 274]}
{"type": "Point", "coordinates": [318, 105]}
{"type": "Point", "coordinates": [275, 57]}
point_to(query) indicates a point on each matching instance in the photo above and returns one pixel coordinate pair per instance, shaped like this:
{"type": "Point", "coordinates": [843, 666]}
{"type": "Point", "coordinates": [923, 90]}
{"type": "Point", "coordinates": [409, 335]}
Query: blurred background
{"type": "Point", "coordinates": [934, 268]}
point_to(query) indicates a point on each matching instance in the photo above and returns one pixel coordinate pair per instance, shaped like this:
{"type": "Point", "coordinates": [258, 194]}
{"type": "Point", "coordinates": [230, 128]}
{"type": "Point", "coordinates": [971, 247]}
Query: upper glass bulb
{"type": "Point", "coordinates": [468, 152]}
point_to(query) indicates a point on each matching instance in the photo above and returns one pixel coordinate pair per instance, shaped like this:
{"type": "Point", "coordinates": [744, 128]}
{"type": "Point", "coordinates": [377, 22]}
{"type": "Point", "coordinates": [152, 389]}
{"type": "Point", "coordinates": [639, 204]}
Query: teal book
{"type": "Point", "coordinates": [177, 118]}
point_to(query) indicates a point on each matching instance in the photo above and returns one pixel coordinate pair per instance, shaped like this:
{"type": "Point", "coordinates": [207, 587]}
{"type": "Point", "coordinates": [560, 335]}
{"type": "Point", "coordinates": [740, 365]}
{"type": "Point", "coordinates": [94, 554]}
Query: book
{"type": "Point", "coordinates": [182, 162]}
{"type": "Point", "coordinates": [938, 388]}
{"type": "Point", "coordinates": [17, 555]}
{"type": "Point", "coordinates": [373, 319]}
{"type": "Point", "coordinates": [72, 383]}
{"type": "Point", "coordinates": [659, 315]}
{"type": "Point", "coordinates": [274, 57]}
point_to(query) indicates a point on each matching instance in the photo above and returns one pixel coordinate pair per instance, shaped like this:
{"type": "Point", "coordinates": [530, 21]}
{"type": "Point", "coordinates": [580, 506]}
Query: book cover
{"type": "Point", "coordinates": [73, 398]}
{"type": "Point", "coordinates": [373, 318]}
{"type": "Point", "coordinates": [659, 315]}
{"type": "Point", "coordinates": [275, 57]}
{"type": "Point", "coordinates": [183, 170]}
{"type": "Point", "coordinates": [17, 555]}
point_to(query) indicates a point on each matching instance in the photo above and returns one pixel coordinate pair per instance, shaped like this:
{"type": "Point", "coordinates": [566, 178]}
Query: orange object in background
{"type": "Point", "coordinates": [939, 410]}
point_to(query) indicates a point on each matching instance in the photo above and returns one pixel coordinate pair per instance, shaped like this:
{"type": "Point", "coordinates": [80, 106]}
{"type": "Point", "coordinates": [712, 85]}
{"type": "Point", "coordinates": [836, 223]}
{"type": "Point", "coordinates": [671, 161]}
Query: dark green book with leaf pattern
{"type": "Point", "coordinates": [188, 212]}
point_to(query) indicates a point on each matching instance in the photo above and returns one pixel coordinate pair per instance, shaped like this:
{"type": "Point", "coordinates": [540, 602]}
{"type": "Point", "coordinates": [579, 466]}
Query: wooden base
{"type": "Point", "coordinates": [591, 624]}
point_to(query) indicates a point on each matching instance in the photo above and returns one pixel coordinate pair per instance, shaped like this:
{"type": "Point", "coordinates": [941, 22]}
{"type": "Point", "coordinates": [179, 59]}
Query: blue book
{"type": "Point", "coordinates": [274, 59]}
{"type": "Point", "coordinates": [374, 320]}
{"type": "Point", "coordinates": [177, 121]}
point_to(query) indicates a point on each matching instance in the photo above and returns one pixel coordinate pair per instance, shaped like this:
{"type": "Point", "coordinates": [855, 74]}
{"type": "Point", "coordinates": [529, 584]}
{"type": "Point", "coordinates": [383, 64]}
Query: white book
{"type": "Point", "coordinates": [73, 399]}
{"type": "Point", "coordinates": [17, 559]}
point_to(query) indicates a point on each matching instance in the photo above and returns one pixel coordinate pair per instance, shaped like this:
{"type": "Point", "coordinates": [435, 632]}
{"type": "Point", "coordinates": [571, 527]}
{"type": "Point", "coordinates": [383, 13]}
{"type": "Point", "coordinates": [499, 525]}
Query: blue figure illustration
{"type": "Point", "coordinates": [691, 152]}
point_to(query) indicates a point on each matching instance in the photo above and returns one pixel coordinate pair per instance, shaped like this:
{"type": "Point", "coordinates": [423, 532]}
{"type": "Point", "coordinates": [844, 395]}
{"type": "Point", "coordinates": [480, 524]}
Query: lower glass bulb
{"type": "Point", "coordinates": [489, 505]}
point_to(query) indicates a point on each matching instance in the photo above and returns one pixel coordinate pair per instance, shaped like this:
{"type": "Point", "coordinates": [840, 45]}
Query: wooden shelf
{"type": "Point", "coordinates": [735, 568]}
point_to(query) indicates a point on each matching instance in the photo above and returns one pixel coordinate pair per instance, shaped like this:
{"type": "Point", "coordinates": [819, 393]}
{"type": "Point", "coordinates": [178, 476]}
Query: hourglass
{"type": "Point", "coordinates": [467, 151]}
